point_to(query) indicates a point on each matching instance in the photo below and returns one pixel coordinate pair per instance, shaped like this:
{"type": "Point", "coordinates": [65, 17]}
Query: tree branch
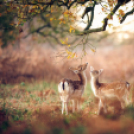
{"type": "Point", "coordinates": [128, 13]}
{"type": "Point", "coordinates": [105, 22]}
{"type": "Point", "coordinates": [51, 36]}
{"type": "Point", "coordinates": [72, 3]}
{"type": "Point", "coordinates": [87, 9]}
{"type": "Point", "coordinates": [84, 1]}
{"type": "Point", "coordinates": [68, 4]}
{"type": "Point", "coordinates": [51, 2]}
{"type": "Point", "coordinates": [103, 28]}
{"type": "Point", "coordinates": [37, 30]}
{"type": "Point", "coordinates": [91, 17]}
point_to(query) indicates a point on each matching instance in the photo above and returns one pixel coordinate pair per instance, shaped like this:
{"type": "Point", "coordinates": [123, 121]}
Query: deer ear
{"type": "Point", "coordinates": [91, 68]}
{"type": "Point", "coordinates": [100, 71]}
{"type": "Point", "coordinates": [74, 70]}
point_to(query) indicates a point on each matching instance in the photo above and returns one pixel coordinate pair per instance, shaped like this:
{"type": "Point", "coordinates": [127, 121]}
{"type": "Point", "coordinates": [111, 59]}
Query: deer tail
{"type": "Point", "coordinates": [63, 87]}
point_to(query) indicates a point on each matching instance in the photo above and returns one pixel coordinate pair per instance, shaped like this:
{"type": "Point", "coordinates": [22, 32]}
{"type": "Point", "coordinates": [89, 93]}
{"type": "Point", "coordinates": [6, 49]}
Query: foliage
{"type": "Point", "coordinates": [57, 13]}
{"type": "Point", "coordinates": [50, 26]}
{"type": "Point", "coordinates": [29, 9]}
{"type": "Point", "coordinates": [7, 31]}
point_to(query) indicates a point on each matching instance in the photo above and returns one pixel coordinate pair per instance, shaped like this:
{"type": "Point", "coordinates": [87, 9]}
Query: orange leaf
{"type": "Point", "coordinates": [121, 12]}
{"type": "Point", "coordinates": [110, 17]}
{"type": "Point", "coordinates": [62, 21]}
{"type": "Point", "coordinates": [110, 25]}
{"type": "Point", "coordinates": [93, 50]}
{"type": "Point", "coordinates": [47, 15]}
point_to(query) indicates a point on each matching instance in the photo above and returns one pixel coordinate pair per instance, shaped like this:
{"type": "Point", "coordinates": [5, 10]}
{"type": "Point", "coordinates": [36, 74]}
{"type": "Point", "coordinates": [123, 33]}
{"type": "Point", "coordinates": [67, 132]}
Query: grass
{"type": "Point", "coordinates": [20, 102]}
{"type": "Point", "coordinates": [35, 91]}
{"type": "Point", "coordinates": [21, 96]}
{"type": "Point", "coordinates": [36, 108]}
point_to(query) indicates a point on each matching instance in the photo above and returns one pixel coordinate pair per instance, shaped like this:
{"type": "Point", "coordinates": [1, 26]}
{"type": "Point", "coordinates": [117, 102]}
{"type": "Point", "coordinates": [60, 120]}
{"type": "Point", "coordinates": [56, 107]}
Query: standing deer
{"type": "Point", "coordinates": [73, 89]}
{"type": "Point", "coordinates": [107, 92]}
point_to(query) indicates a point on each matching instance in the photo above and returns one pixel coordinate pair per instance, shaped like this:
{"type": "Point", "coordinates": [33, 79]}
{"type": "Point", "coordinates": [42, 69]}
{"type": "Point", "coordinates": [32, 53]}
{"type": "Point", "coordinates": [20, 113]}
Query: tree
{"type": "Point", "coordinates": [6, 30]}
{"type": "Point", "coordinates": [49, 27]}
{"type": "Point", "coordinates": [25, 10]}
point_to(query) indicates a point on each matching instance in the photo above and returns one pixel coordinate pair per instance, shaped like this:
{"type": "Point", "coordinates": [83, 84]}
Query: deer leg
{"type": "Point", "coordinates": [73, 105]}
{"type": "Point", "coordinates": [105, 108]}
{"type": "Point", "coordinates": [78, 105]}
{"type": "Point", "coordinates": [102, 107]}
{"type": "Point", "coordinates": [63, 107]}
{"type": "Point", "coordinates": [127, 99]}
{"type": "Point", "coordinates": [66, 107]}
{"type": "Point", "coordinates": [117, 108]}
{"type": "Point", "coordinates": [123, 105]}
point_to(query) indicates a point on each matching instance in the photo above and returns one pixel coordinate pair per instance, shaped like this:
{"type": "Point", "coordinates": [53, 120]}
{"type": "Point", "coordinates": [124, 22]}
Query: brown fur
{"type": "Point", "coordinates": [77, 83]}
{"type": "Point", "coordinates": [118, 88]}
{"type": "Point", "coordinates": [74, 88]}
{"type": "Point", "coordinates": [112, 94]}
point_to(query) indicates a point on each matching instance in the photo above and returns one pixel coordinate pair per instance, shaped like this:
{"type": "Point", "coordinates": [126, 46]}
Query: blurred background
{"type": "Point", "coordinates": [32, 57]}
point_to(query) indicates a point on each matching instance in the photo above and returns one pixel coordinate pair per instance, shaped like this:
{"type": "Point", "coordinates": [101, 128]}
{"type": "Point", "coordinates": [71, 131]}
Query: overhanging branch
{"type": "Point", "coordinates": [68, 4]}
{"type": "Point", "coordinates": [91, 17]}
{"type": "Point", "coordinates": [105, 22]}
{"type": "Point", "coordinates": [103, 28]}
{"type": "Point", "coordinates": [128, 13]}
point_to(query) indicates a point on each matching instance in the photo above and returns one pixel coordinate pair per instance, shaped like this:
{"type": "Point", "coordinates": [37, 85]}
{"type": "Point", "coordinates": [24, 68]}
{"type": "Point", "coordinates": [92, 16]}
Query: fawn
{"type": "Point", "coordinates": [117, 91]}
{"type": "Point", "coordinates": [73, 89]}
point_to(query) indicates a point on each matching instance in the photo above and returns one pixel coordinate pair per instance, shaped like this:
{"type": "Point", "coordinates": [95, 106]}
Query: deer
{"type": "Point", "coordinates": [73, 89]}
{"type": "Point", "coordinates": [107, 92]}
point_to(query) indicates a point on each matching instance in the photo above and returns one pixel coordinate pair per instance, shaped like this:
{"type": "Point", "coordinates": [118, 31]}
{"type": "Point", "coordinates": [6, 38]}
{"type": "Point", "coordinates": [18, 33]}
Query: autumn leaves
{"type": "Point", "coordinates": [67, 17]}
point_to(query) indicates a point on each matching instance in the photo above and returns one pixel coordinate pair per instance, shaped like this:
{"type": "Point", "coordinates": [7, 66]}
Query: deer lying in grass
{"type": "Point", "coordinates": [107, 92]}
{"type": "Point", "coordinates": [73, 89]}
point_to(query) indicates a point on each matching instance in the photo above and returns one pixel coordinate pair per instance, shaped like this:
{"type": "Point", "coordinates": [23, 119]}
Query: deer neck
{"type": "Point", "coordinates": [82, 78]}
{"type": "Point", "coordinates": [95, 85]}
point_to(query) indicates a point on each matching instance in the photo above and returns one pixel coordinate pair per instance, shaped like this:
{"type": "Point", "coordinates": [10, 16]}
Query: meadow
{"type": "Point", "coordinates": [30, 103]}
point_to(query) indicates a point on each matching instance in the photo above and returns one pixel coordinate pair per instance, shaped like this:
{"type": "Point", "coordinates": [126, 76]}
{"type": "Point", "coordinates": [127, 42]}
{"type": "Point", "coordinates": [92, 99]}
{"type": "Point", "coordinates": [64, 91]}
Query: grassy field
{"type": "Point", "coordinates": [30, 103]}
{"type": "Point", "coordinates": [24, 96]}
{"type": "Point", "coordinates": [36, 108]}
